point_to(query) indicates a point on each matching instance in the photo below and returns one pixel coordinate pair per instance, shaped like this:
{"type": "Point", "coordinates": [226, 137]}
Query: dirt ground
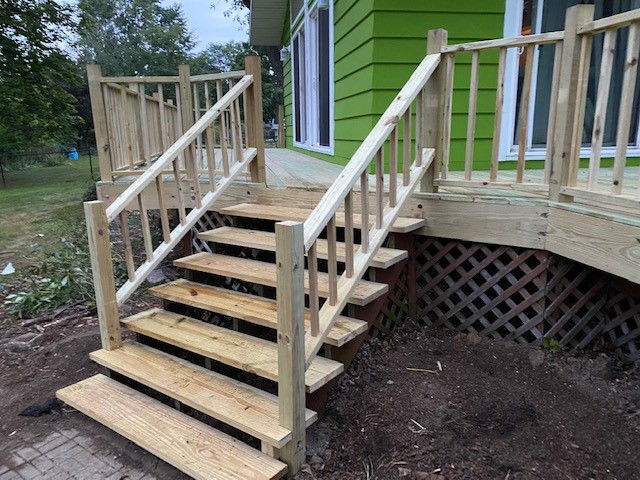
{"type": "Point", "coordinates": [495, 410]}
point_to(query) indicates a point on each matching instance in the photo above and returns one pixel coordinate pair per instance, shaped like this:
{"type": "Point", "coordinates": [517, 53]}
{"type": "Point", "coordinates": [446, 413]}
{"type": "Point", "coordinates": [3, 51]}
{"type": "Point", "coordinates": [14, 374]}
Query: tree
{"type": "Point", "coordinates": [133, 37]}
{"type": "Point", "coordinates": [34, 72]}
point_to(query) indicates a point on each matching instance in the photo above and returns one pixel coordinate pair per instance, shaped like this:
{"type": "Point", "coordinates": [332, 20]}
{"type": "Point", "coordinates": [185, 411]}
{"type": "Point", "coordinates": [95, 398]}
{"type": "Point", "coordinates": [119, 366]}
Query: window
{"type": "Point", "coordinates": [525, 17]}
{"type": "Point", "coordinates": [312, 69]}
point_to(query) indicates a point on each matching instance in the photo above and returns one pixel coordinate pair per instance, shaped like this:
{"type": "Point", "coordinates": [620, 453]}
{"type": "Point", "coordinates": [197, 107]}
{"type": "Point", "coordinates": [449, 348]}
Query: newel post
{"type": "Point", "coordinates": [253, 117]}
{"type": "Point", "coordinates": [99, 113]}
{"type": "Point", "coordinates": [102, 269]}
{"type": "Point", "coordinates": [187, 116]}
{"type": "Point", "coordinates": [572, 91]}
{"type": "Point", "coordinates": [291, 365]}
{"type": "Point", "coordinates": [433, 119]}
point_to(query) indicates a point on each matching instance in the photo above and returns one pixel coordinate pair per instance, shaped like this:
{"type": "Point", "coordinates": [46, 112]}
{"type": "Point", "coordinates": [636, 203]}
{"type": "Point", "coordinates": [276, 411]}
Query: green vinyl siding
{"type": "Point", "coordinates": [379, 43]}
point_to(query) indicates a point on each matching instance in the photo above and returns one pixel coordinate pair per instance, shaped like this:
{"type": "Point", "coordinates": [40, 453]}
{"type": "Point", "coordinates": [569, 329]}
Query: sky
{"type": "Point", "coordinates": [209, 25]}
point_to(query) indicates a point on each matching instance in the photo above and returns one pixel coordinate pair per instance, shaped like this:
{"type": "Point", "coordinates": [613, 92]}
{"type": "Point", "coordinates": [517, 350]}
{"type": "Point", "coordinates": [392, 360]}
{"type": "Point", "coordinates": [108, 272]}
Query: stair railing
{"type": "Point", "coordinates": [174, 186]}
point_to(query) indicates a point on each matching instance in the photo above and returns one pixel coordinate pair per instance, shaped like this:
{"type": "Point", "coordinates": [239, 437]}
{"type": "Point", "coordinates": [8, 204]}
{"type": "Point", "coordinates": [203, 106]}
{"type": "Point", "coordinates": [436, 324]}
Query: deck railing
{"type": "Point", "coordinates": [135, 121]}
{"type": "Point", "coordinates": [174, 175]}
{"type": "Point", "coordinates": [567, 105]}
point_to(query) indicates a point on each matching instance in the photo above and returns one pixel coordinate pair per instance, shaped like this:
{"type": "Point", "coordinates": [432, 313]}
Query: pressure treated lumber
{"type": "Point", "coordinates": [241, 237]}
{"type": "Point", "coordinates": [189, 445]}
{"type": "Point", "coordinates": [244, 407]}
{"type": "Point", "coordinates": [278, 213]}
{"type": "Point", "coordinates": [235, 349]}
{"type": "Point", "coordinates": [265, 274]}
{"type": "Point", "coordinates": [249, 308]}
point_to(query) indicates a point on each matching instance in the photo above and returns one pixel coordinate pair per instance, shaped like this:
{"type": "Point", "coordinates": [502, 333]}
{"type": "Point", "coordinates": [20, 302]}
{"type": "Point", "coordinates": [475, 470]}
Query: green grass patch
{"type": "Point", "coordinates": [39, 206]}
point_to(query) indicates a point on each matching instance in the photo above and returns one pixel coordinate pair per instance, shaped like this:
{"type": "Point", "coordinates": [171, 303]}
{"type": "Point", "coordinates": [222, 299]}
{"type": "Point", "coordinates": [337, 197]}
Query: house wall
{"type": "Point", "coordinates": [378, 44]}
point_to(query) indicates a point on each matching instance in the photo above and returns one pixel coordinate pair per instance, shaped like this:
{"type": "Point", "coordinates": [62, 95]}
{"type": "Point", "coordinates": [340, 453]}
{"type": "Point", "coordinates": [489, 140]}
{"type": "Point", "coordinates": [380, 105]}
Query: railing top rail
{"type": "Point", "coordinates": [167, 157]}
{"type": "Point", "coordinates": [537, 39]}
{"type": "Point", "coordinates": [360, 160]}
{"type": "Point", "coordinates": [614, 21]}
{"type": "Point", "coordinates": [217, 76]}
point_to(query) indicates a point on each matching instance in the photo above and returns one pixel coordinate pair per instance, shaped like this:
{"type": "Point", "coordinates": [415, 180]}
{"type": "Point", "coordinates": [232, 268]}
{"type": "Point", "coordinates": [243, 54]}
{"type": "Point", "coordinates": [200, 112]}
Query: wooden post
{"type": "Point", "coordinates": [281, 129]}
{"type": "Point", "coordinates": [186, 114]}
{"type": "Point", "coordinates": [102, 268]}
{"type": "Point", "coordinates": [572, 84]}
{"type": "Point", "coordinates": [434, 110]}
{"type": "Point", "coordinates": [253, 118]}
{"type": "Point", "coordinates": [291, 366]}
{"type": "Point", "coordinates": [94, 74]}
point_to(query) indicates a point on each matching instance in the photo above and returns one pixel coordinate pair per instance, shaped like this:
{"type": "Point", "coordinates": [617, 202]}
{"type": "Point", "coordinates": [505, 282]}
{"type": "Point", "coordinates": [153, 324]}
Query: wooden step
{"type": "Point", "coordinates": [244, 407]}
{"type": "Point", "coordinates": [261, 311]}
{"type": "Point", "coordinates": [241, 237]}
{"type": "Point", "coordinates": [238, 350]}
{"type": "Point", "coordinates": [198, 450]}
{"type": "Point", "coordinates": [279, 213]}
{"type": "Point", "coordinates": [265, 274]}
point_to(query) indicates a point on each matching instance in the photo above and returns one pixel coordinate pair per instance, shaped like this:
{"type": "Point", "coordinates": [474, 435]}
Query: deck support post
{"type": "Point", "coordinates": [98, 111]}
{"type": "Point", "coordinates": [433, 111]}
{"type": "Point", "coordinates": [574, 77]}
{"type": "Point", "coordinates": [102, 269]}
{"type": "Point", "coordinates": [253, 118]}
{"type": "Point", "coordinates": [187, 115]}
{"type": "Point", "coordinates": [291, 355]}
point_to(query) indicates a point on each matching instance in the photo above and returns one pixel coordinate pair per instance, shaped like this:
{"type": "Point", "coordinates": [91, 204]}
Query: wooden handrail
{"type": "Point", "coordinates": [620, 20]}
{"type": "Point", "coordinates": [523, 41]}
{"type": "Point", "coordinates": [172, 153]}
{"type": "Point", "coordinates": [350, 176]}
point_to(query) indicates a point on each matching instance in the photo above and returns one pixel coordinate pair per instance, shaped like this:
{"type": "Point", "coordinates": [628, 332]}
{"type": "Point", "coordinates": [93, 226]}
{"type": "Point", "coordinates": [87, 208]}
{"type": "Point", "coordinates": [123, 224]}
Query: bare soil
{"type": "Point", "coordinates": [496, 410]}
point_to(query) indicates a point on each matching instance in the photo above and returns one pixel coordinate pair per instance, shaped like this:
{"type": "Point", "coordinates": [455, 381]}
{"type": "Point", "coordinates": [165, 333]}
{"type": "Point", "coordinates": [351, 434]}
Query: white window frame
{"type": "Point", "coordinates": [508, 151]}
{"type": "Point", "coordinates": [309, 13]}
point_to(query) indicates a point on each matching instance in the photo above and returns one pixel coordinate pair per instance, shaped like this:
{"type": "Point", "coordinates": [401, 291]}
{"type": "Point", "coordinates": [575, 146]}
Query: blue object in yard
{"type": "Point", "coordinates": [72, 154]}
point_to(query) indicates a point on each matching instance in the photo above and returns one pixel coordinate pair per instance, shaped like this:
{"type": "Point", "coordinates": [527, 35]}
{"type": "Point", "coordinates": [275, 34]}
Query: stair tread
{"type": "Point", "coordinates": [265, 274]}
{"type": "Point", "coordinates": [279, 213]}
{"type": "Point", "coordinates": [232, 348]}
{"type": "Point", "coordinates": [242, 406]}
{"type": "Point", "coordinates": [384, 257]}
{"type": "Point", "coordinates": [258, 310]}
{"type": "Point", "coordinates": [198, 450]}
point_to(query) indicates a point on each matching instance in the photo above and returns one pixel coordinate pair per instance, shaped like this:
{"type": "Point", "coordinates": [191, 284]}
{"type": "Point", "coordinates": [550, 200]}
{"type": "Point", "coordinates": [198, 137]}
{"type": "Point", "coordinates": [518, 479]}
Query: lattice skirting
{"type": "Point", "coordinates": [524, 295]}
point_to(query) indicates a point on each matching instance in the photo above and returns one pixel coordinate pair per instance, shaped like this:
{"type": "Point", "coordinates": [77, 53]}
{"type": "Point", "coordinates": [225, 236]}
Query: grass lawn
{"type": "Point", "coordinates": [38, 206]}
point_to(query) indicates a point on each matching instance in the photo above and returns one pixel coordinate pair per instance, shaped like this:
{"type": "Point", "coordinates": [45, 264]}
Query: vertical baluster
{"type": "Point", "coordinates": [406, 147]}
{"type": "Point", "coordinates": [364, 211]}
{"type": "Point", "coordinates": [420, 134]}
{"type": "Point", "coordinates": [525, 103]}
{"type": "Point", "coordinates": [237, 130]}
{"type": "Point", "coordinates": [126, 240]}
{"type": "Point", "coordinates": [114, 147]}
{"type": "Point", "coordinates": [348, 234]}
{"type": "Point", "coordinates": [497, 123]}
{"type": "Point", "coordinates": [196, 113]}
{"type": "Point", "coordinates": [164, 217]}
{"type": "Point", "coordinates": [448, 110]}
{"type": "Point", "coordinates": [146, 228]}
{"type": "Point", "coordinates": [144, 125]}
{"type": "Point", "coordinates": [164, 133]}
{"type": "Point", "coordinates": [126, 116]}
{"type": "Point", "coordinates": [471, 121]}
{"type": "Point", "coordinates": [626, 107]}
{"type": "Point", "coordinates": [177, 176]}
{"type": "Point", "coordinates": [196, 179]}
{"type": "Point", "coordinates": [223, 132]}
{"type": "Point", "coordinates": [332, 262]}
{"type": "Point", "coordinates": [602, 100]}
{"type": "Point", "coordinates": [393, 166]}
{"type": "Point", "coordinates": [379, 186]}
{"type": "Point", "coordinates": [555, 87]}
{"type": "Point", "coordinates": [314, 298]}
{"type": "Point", "coordinates": [178, 124]}
{"type": "Point", "coordinates": [210, 137]}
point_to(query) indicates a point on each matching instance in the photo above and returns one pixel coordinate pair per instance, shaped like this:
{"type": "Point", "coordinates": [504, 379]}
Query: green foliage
{"type": "Point", "coordinates": [133, 37]}
{"type": "Point", "coordinates": [63, 278]}
{"type": "Point", "coordinates": [34, 72]}
{"type": "Point", "coordinates": [552, 345]}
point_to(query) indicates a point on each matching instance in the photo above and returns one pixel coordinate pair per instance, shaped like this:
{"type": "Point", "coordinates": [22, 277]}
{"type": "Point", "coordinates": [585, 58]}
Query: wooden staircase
{"type": "Point", "coordinates": [254, 373]}
{"type": "Point", "coordinates": [235, 403]}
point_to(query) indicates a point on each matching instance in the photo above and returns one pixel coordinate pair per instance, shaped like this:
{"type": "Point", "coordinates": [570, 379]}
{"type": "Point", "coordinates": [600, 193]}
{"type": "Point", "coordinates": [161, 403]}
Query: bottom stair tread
{"type": "Point", "coordinates": [236, 349]}
{"type": "Point", "coordinates": [191, 446]}
{"type": "Point", "coordinates": [242, 406]}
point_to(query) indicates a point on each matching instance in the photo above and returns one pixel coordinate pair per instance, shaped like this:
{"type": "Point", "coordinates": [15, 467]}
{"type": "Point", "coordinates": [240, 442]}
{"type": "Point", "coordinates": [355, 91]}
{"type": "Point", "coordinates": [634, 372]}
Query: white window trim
{"type": "Point", "coordinates": [508, 151]}
{"type": "Point", "coordinates": [313, 126]}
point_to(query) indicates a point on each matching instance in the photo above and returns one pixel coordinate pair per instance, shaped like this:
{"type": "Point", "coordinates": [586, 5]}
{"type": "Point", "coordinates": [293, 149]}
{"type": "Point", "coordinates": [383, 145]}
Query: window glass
{"type": "Point", "coordinates": [296, 6]}
{"type": "Point", "coordinates": [323, 77]}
